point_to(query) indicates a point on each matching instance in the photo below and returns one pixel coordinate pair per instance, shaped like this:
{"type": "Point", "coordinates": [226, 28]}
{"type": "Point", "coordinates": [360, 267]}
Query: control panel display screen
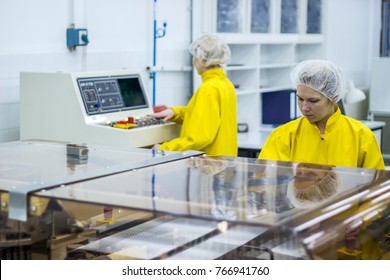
{"type": "Point", "coordinates": [112, 94]}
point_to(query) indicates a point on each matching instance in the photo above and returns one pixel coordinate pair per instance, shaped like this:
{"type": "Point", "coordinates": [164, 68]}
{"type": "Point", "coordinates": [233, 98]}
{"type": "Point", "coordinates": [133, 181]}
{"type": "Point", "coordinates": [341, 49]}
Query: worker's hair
{"type": "Point", "coordinates": [210, 50]}
{"type": "Point", "coordinates": [314, 194]}
{"type": "Point", "coordinates": [322, 76]}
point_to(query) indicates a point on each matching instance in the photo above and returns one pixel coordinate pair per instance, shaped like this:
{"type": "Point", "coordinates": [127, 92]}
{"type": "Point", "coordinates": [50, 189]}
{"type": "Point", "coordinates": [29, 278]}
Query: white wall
{"type": "Point", "coordinates": [32, 35]}
{"type": "Point", "coordinates": [33, 38]}
{"type": "Point", "coordinates": [352, 33]}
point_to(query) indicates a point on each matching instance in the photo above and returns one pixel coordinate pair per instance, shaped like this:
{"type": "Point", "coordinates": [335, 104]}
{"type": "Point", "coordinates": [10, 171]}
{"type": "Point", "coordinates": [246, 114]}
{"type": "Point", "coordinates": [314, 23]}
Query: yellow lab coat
{"type": "Point", "coordinates": [209, 121]}
{"type": "Point", "coordinates": [345, 142]}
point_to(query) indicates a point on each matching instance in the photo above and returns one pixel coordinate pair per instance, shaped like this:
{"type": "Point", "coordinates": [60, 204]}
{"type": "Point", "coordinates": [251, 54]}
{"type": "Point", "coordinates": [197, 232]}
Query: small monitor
{"type": "Point", "coordinates": [112, 94]}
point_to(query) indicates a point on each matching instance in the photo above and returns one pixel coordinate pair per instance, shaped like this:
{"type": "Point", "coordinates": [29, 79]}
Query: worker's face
{"type": "Point", "coordinates": [199, 68]}
{"type": "Point", "coordinates": [313, 105]}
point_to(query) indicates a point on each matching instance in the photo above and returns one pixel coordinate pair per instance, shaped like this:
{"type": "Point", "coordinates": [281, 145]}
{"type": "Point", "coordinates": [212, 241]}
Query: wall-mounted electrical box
{"type": "Point", "coordinates": [76, 37]}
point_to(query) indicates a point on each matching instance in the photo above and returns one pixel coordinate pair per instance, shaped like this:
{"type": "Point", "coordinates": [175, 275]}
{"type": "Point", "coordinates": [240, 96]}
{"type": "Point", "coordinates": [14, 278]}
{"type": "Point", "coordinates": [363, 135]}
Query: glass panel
{"type": "Point", "coordinates": [289, 16]}
{"type": "Point", "coordinates": [229, 16]}
{"type": "Point", "coordinates": [314, 14]}
{"type": "Point", "coordinates": [220, 208]}
{"type": "Point", "coordinates": [34, 162]}
{"type": "Point", "coordinates": [260, 16]}
{"type": "Point", "coordinates": [191, 207]}
{"type": "Point", "coordinates": [231, 189]}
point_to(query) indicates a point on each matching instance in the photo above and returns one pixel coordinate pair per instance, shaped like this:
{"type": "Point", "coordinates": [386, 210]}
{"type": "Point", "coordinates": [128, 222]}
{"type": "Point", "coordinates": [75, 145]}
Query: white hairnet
{"type": "Point", "coordinates": [210, 50]}
{"type": "Point", "coordinates": [314, 194]}
{"type": "Point", "coordinates": [322, 76]}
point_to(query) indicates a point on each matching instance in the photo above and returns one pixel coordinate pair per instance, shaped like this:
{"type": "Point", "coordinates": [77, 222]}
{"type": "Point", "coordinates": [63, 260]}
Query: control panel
{"type": "Point", "coordinates": [112, 94]}
{"type": "Point", "coordinates": [100, 96]}
{"type": "Point", "coordinates": [133, 122]}
{"type": "Point", "coordinates": [108, 108]}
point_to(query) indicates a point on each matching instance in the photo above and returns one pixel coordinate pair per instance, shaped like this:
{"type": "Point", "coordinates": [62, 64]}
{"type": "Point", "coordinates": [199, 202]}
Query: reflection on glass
{"type": "Point", "coordinates": [289, 16]}
{"type": "Point", "coordinates": [76, 156]}
{"type": "Point", "coordinates": [225, 190]}
{"type": "Point", "coordinates": [314, 16]}
{"type": "Point", "coordinates": [363, 232]}
{"type": "Point", "coordinates": [260, 16]}
{"type": "Point", "coordinates": [312, 184]}
{"type": "Point", "coordinates": [226, 194]}
{"type": "Point", "coordinates": [266, 194]}
{"type": "Point", "coordinates": [229, 15]}
{"type": "Point", "coordinates": [234, 190]}
{"type": "Point", "coordinates": [189, 208]}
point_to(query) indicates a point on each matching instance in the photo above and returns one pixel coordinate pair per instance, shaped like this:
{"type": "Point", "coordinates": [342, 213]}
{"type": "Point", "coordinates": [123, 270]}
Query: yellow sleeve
{"type": "Point", "coordinates": [201, 124]}
{"type": "Point", "coordinates": [179, 112]}
{"type": "Point", "coordinates": [277, 146]}
{"type": "Point", "coordinates": [372, 156]}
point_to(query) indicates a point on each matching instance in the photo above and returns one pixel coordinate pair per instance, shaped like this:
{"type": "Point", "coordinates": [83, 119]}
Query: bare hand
{"type": "Point", "coordinates": [156, 147]}
{"type": "Point", "coordinates": [166, 114]}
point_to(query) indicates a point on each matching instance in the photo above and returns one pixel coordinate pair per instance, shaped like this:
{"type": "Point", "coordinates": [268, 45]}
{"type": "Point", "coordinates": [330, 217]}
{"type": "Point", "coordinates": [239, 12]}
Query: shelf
{"type": "Point", "coordinates": [183, 68]}
{"type": "Point", "coordinates": [275, 77]}
{"type": "Point", "coordinates": [247, 91]}
{"type": "Point", "coordinates": [262, 66]}
{"type": "Point", "coordinates": [278, 88]}
{"type": "Point", "coordinates": [275, 66]}
{"type": "Point", "coordinates": [308, 51]}
{"type": "Point", "coordinates": [262, 62]}
{"type": "Point", "coordinates": [244, 55]}
{"type": "Point", "coordinates": [246, 78]}
{"type": "Point", "coordinates": [241, 67]}
{"type": "Point", "coordinates": [277, 53]}
{"type": "Point", "coordinates": [241, 92]}
{"type": "Point", "coordinates": [311, 39]}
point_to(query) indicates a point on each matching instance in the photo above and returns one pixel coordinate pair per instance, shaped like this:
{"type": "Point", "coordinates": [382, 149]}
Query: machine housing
{"type": "Point", "coordinates": [85, 108]}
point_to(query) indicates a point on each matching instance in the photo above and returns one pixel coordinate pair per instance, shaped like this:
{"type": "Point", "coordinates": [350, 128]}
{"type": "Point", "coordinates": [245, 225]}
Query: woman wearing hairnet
{"type": "Point", "coordinates": [209, 121]}
{"type": "Point", "coordinates": [322, 135]}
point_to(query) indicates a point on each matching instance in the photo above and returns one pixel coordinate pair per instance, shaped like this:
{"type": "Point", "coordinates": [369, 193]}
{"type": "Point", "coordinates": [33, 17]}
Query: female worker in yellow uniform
{"type": "Point", "coordinates": [322, 135]}
{"type": "Point", "coordinates": [209, 121]}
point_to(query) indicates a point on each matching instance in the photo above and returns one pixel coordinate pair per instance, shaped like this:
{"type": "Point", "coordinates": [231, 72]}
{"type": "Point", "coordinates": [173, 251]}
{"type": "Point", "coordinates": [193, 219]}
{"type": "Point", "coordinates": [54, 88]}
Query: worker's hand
{"type": "Point", "coordinates": [166, 114]}
{"type": "Point", "coordinates": [156, 147]}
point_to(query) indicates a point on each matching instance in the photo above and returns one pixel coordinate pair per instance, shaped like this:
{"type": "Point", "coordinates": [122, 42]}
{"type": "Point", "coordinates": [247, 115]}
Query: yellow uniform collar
{"type": "Point", "coordinates": [330, 124]}
{"type": "Point", "coordinates": [212, 73]}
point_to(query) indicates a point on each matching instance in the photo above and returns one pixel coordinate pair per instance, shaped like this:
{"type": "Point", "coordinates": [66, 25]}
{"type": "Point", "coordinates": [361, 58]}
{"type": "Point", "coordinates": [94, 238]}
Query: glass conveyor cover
{"type": "Point", "coordinates": [190, 206]}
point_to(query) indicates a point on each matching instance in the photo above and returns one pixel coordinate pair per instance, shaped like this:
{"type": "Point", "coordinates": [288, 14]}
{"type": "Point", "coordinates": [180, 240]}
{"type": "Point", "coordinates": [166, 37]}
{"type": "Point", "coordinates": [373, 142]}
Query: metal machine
{"type": "Point", "coordinates": [109, 108]}
{"type": "Point", "coordinates": [67, 201]}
